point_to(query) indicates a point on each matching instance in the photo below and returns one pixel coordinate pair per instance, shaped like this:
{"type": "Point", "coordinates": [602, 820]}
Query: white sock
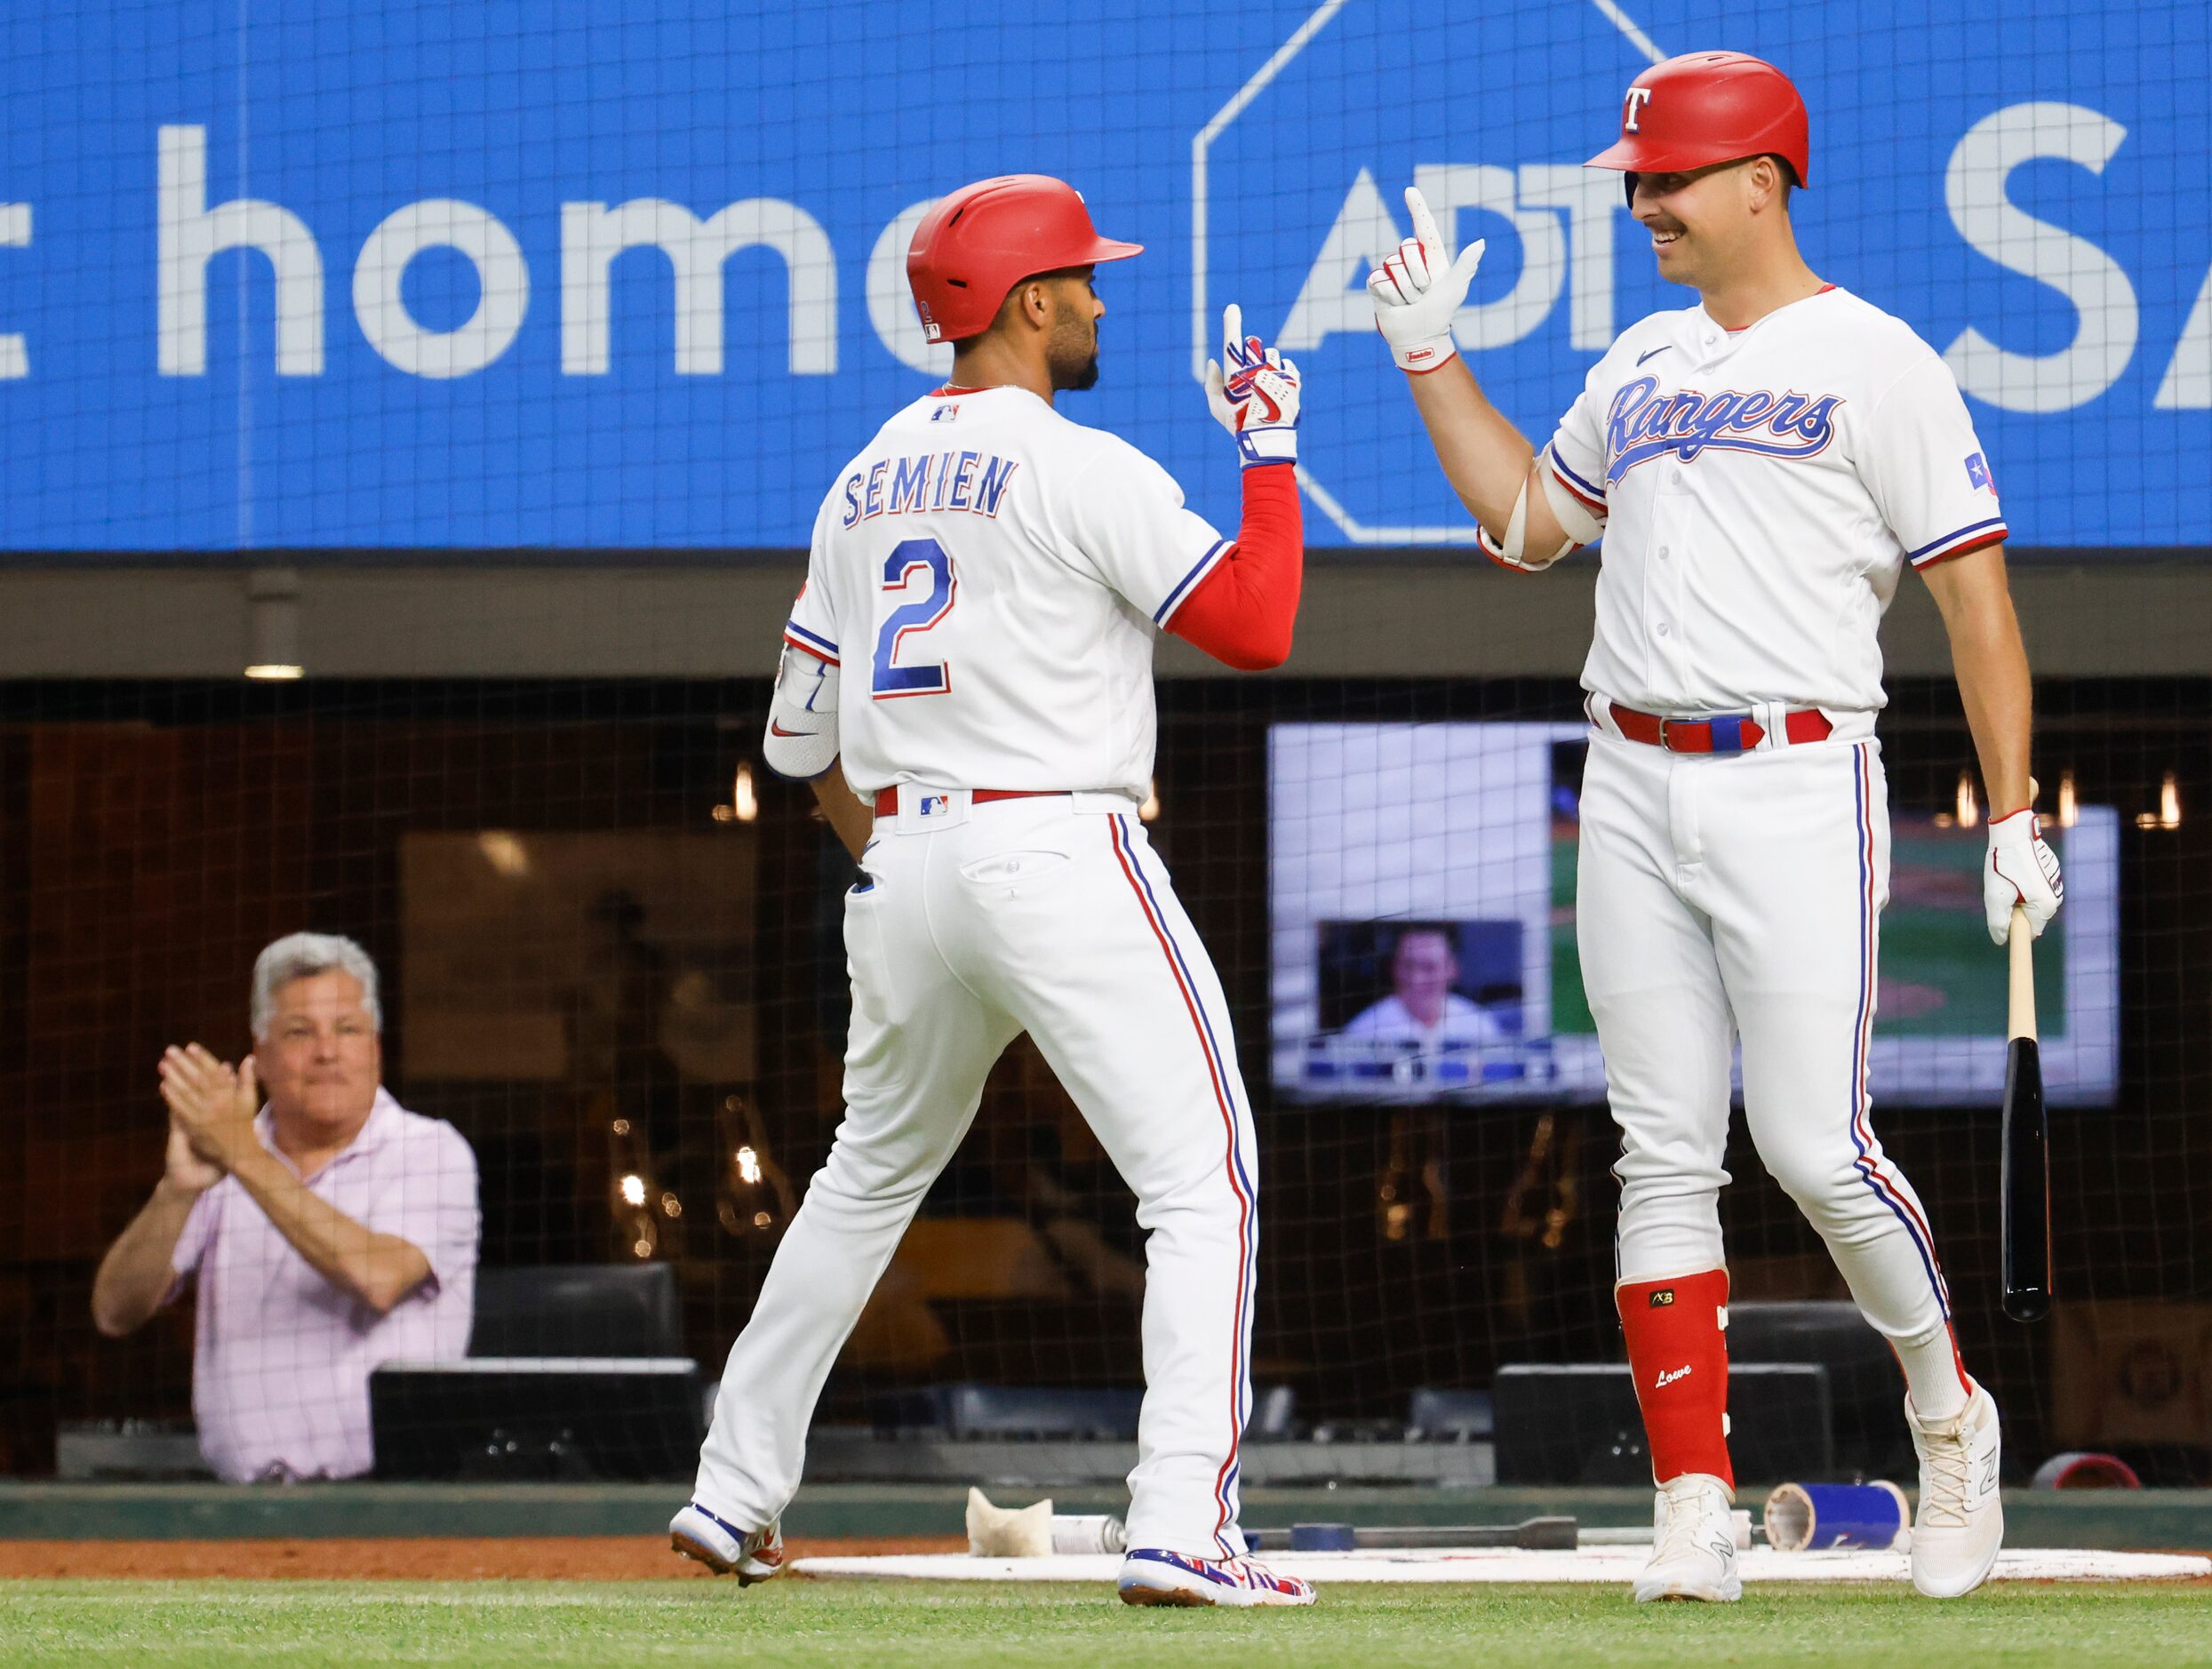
{"type": "Point", "coordinates": [1932, 1373]}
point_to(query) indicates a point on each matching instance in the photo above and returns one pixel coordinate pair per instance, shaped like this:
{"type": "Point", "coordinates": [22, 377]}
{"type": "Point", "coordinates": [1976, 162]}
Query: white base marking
{"type": "Point", "coordinates": [1590, 1564]}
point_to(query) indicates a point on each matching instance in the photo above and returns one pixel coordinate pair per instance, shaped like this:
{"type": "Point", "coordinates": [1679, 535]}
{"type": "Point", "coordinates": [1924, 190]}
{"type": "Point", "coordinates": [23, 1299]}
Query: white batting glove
{"type": "Point", "coordinates": [2021, 869]}
{"type": "Point", "coordinates": [1417, 289]}
{"type": "Point", "coordinates": [1257, 399]}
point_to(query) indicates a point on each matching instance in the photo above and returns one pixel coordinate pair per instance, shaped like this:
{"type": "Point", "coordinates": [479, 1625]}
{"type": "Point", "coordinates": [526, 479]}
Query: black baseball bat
{"type": "Point", "coordinates": [1553, 1533]}
{"type": "Point", "coordinates": [2025, 1181]}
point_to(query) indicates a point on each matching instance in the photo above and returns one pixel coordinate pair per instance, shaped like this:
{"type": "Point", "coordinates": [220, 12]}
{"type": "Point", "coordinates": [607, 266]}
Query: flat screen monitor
{"type": "Point", "coordinates": [1422, 906]}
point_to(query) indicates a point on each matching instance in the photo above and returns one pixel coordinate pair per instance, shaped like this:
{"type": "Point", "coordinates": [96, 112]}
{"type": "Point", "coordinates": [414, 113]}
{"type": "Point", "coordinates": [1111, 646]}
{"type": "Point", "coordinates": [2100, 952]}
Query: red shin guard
{"type": "Point", "coordinates": [1679, 1355]}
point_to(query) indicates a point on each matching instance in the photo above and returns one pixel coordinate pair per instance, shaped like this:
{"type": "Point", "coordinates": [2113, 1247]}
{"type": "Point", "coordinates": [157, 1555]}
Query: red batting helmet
{"type": "Point", "coordinates": [974, 246]}
{"type": "Point", "coordinates": [1706, 107]}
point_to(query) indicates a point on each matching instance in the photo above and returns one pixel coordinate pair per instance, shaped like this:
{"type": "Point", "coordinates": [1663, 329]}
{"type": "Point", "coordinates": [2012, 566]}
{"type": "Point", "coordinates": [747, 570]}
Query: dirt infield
{"type": "Point", "coordinates": [411, 1558]}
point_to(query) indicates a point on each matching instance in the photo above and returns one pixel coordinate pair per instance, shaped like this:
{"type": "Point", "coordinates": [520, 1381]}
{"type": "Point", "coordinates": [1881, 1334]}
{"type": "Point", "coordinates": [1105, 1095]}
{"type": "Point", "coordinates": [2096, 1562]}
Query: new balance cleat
{"type": "Point", "coordinates": [1154, 1576]}
{"type": "Point", "coordinates": [752, 1555]}
{"type": "Point", "coordinates": [1693, 1553]}
{"type": "Point", "coordinates": [1960, 1525]}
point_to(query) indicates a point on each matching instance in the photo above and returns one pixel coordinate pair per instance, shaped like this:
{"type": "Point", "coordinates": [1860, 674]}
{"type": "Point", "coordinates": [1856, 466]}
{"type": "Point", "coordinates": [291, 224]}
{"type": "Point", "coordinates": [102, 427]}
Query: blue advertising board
{"type": "Point", "coordinates": [628, 276]}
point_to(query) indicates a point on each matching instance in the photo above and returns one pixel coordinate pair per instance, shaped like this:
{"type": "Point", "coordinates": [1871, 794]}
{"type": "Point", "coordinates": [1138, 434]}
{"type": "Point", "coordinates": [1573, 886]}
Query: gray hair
{"type": "Point", "coordinates": [301, 956]}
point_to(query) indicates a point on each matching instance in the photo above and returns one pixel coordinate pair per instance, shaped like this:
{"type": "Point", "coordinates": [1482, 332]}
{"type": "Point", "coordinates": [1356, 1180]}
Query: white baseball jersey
{"type": "Point", "coordinates": [990, 578]}
{"type": "Point", "coordinates": [1761, 489]}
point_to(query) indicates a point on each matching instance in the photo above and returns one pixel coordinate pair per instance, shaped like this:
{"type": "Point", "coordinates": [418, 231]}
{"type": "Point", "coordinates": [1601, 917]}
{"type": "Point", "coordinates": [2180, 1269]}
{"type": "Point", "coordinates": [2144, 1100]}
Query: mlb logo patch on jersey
{"type": "Point", "coordinates": [1978, 473]}
{"type": "Point", "coordinates": [933, 805]}
{"type": "Point", "coordinates": [946, 413]}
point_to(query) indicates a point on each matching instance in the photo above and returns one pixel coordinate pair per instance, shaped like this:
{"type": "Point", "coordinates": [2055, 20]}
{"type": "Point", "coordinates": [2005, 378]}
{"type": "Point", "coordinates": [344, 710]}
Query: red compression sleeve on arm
{"type": "Point", "coordinates": [1242, 612]}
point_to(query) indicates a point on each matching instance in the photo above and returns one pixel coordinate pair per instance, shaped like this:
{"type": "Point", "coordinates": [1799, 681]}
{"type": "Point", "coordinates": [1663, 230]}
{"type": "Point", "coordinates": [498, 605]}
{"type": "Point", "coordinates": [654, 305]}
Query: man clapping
{"type": "Point", "coordinates": [329, 1232]}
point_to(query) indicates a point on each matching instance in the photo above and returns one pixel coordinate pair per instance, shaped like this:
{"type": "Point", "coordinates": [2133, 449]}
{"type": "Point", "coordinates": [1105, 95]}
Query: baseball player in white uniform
{"type": "Point", "coordinates": [974, 646]}
{"type": "Point", "coordinates": [1763, 467]}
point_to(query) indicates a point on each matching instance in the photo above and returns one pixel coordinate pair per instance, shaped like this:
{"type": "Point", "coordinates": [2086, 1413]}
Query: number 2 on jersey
{"type": "Point", "coordinates": [907, 558]}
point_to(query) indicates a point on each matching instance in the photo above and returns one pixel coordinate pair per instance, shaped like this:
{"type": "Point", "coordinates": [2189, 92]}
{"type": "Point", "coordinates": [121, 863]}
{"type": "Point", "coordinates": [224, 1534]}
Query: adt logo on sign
{"type": "Point", "coordinates": [1301, 177]}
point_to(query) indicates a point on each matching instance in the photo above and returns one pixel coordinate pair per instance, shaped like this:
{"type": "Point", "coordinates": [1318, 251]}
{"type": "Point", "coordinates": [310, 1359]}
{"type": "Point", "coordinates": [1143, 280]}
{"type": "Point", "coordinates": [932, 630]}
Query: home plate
{"type": "Point", "coordinates": [1505, 1564]}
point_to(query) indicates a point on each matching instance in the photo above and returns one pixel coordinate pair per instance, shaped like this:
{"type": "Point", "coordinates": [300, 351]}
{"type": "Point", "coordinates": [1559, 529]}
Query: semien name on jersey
{"type": "Point", "coordinates": [971, 482]}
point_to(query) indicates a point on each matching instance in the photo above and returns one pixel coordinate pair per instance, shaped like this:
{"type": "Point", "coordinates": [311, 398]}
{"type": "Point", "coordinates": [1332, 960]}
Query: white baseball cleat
{"type": "Point", "coordinates": [1960, 1524]}
{"type": "Point", "coordinates": [755, 1555]}
{"type": "Point", "coordinates": [1693, 1555]}
{"type": "Point", "coordinates": [1153, 1576]}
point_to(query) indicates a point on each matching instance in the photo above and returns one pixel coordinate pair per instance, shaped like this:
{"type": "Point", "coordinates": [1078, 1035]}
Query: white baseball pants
{"type": "Point", "coordinates": [1726, 895]}
{"type": "Point", "coordinates": [1052, 916]}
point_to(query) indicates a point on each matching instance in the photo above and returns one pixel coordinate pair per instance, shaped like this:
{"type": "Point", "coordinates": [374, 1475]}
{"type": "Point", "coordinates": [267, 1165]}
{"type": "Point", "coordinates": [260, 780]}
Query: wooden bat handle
{"type": "Point", "coordinates": [2020, 944]}
{"type": "Point", "coordinates": [2020, 1022]}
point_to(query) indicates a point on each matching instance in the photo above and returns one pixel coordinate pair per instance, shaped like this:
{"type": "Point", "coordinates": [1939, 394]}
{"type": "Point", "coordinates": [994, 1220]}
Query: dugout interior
{"type": "Point", "coordinates": [161, 819]}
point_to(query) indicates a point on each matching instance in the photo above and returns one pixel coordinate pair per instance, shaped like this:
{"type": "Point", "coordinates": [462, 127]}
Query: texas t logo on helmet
{"type": "Point", "coordinates": [1705, 108]}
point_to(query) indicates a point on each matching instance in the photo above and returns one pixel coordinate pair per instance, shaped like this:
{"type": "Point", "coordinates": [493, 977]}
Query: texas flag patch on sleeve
{"type": "Point", "coordinates": [1978, 473]}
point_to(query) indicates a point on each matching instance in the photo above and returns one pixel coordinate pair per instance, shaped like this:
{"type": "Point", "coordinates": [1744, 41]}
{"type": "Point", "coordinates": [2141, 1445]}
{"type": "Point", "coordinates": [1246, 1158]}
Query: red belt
{"type": "Point", "coordinates": [1726, 734]}
{"type": "Point", "coordinates": [887, 799]}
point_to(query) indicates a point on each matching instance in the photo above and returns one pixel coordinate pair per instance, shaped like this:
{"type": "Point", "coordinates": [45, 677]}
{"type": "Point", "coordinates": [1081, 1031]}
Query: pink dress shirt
{"type": "Point", "coordinates": [280, 1357]}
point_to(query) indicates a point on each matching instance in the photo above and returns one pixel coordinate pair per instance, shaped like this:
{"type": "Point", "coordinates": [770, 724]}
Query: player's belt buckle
{"type": "Point", "coordinates": [1725, 733]}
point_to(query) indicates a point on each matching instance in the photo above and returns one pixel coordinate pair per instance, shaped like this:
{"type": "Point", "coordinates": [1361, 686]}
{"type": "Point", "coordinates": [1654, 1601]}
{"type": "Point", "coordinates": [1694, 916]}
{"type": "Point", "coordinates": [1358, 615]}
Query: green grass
{"type": "Point", "coordinates": [180, 1625]}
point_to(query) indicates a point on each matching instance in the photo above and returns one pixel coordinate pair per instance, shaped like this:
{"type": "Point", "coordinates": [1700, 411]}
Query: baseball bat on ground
{"type": "Point", "coordinates": [2026, 1177]}
{"type": "Point", "coordinates": [1305, 1539]}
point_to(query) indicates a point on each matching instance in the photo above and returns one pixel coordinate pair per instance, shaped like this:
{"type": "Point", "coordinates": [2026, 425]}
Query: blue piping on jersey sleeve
{"type": "Point", "coordinates": [1596, 495]}
{"type": "Point", "coordinates": [1189, 582]}
{"type": "Point", "coordinates": [1936, 547]}
{"type": "Point", "coordinates": [813, 642]}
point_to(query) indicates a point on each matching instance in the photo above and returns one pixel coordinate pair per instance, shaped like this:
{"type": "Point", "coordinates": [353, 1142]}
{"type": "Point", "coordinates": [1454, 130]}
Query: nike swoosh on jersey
{"type": "Point", "coordinates": [775, 729]}
{"type": "Point", "coordinates": [1655, 353]}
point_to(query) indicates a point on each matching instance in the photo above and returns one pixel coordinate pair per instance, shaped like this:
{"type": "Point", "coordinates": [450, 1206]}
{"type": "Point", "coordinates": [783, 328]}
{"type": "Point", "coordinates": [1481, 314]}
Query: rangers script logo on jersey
{"type": "Point", "coordinates": [1642, 426]}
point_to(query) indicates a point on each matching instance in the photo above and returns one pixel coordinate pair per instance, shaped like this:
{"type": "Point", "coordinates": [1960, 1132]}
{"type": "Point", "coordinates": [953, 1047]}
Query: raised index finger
{"type": "Point", "coordinates": [1425, 227]}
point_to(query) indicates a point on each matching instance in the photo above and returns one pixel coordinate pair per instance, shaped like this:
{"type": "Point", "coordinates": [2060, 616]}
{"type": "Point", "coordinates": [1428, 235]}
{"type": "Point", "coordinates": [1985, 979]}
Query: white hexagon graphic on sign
{"type": "Point", "coordinates": [1548, 206]}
